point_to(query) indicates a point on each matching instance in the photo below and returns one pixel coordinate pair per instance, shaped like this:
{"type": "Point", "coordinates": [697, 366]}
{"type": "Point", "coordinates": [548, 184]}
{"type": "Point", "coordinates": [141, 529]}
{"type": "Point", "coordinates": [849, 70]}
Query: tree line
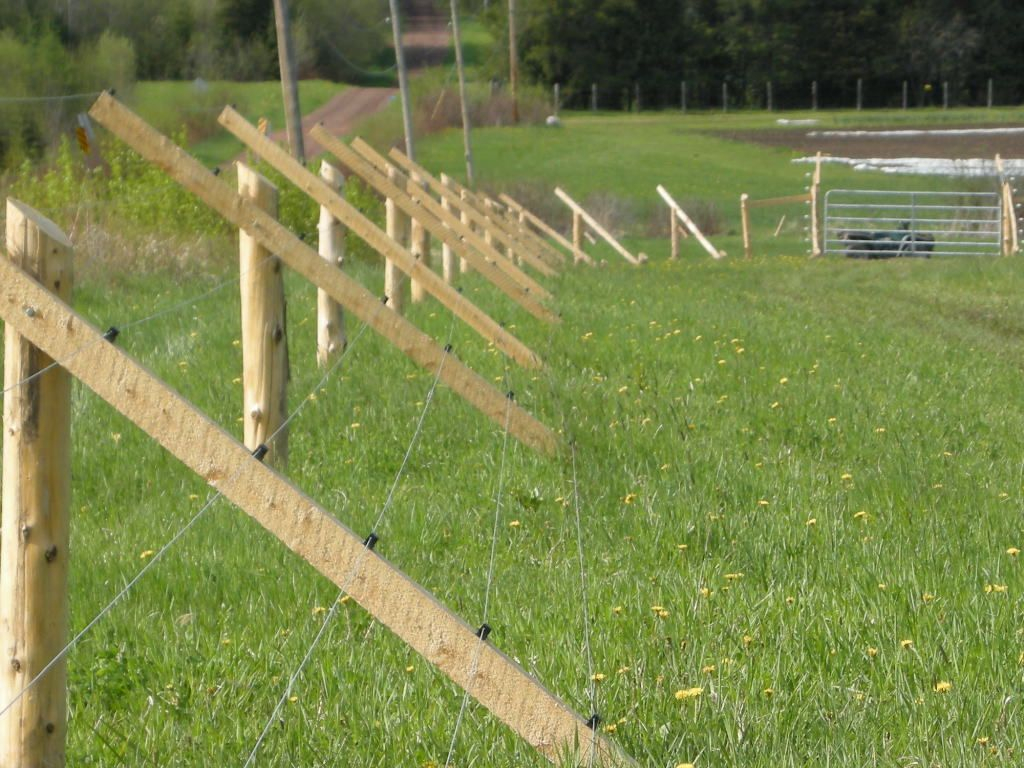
{"type": "Point", "coordinates": [655, 45]}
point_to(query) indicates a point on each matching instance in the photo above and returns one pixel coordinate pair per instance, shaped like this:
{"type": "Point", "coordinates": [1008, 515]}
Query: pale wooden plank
{"type": "Point", "coordinates": [544, 227]}
{"type": "Point", "coordinates": [307, 529]}
{"type": "Point", "coordinates": [322, 193]}
{"type": "Point", "coordinates": [419, 347]}
{"type": "Point", "coordinates": [688, 223]}
{"type": "Point", "coordinates": [445, 227]}
{"type": "Point", "coordinates": [595, 225]}
{"type": "Point", "coordinates": [464, 228]}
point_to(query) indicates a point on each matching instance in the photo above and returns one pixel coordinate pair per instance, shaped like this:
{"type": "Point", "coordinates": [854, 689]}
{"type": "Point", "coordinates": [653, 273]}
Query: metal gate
{"type": "Point", "coordinates": [879, 224]}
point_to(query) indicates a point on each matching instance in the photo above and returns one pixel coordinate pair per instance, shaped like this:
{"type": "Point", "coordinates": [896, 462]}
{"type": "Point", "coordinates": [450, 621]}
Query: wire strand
{"type": "Point", "coordinates": [168, 545]}
{"type": "Point", "coordinates": [585, 606]}
{"type": "Point", "coordinates": [354, 570]}
{"type": "Point", "coordinates": [474, 666]}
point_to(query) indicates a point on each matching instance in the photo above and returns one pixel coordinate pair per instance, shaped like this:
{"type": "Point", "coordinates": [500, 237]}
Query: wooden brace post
{"type": "Point", "coordinates": [419, 245]}
{"type": "Point", "coordinates": [688, 223]}
{"type": "Point", "coordinates": [543, 227]}
{"type": "Point", "coordinates": [459, 305]}
{"type": "Point", "coordinates": [330, 317]}
{"type": "Point", "coordinates": [596, 226]}
{"type": "Point", "coordinates": [264, 335]}
{"type": "Point", "coordinates": [397, 223]}
{"type": "Point", "coordinates": [418, 204]}
{"type": "Point", "coordinates": [461, 225]}
{"type": "Point", "coordinates": [419, 347]}
{"type": "Point", "coordinates": [745, 220]}
{"type": "Point", "coordinates": [815, 223]}
{"type": "Point", "coordinates": [34, 532]}
{"type": "Point", "coordinates": [307, 529]}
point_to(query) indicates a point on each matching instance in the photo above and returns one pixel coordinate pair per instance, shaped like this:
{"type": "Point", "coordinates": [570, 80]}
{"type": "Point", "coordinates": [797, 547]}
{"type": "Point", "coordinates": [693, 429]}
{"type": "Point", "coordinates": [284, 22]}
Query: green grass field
{"type": "Point", "coordinates": [800, 481]}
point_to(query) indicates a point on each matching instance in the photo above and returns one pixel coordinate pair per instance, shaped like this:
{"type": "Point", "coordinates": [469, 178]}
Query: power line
{"type": "Point", "coordinates": [59, 97]}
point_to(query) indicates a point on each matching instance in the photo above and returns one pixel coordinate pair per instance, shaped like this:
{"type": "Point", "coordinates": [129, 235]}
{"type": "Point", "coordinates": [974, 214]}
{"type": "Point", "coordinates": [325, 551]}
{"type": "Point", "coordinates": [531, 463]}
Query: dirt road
{"type": "Point", "coordinates": [425, 39]}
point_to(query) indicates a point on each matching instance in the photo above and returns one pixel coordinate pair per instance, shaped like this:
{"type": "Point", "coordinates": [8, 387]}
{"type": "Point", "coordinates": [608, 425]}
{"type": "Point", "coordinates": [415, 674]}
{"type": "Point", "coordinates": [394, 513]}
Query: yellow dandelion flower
{"type": "Point", "coordinates": [862, 515]}
{"type": "Point", "coordinates": [774, 405]}
{"type": "Point", "coordinates": [682, 547]}
{"type": "Point", "coordinates": [747, 640]}
{"type": "Point", "coordinates": [733, 576]}
{"type": "Point", "coordinates": [611, 728]}
{"type": "Point", "coordinates": [617, 610]}
{"type": "Point", "coordinates": [879, 430]}
{"type": "Point", "coordinates": [410, 668]}
{"type": "Point", "coordinates": [943, 686]}
{"type": "Point", "coordinates": [662, 614]}
{"type": "Point", "coordinates": [684, 765]}
{"type": "Point", "coordinates": [708, 669]}
{"type": "Point", "coordinates": [904, 644]}
{"type": "Point", "coordinates": [872, 652]}
{"type": "Point", "coordinates": [721, 362]}
{"type": "Point", "coordinates": [768, 692]}
{"type": "Point", "coordinates": [318, 609]}
{"type": "Point", "coordinates": [292, 699]}
{"type": "Point", "coordinates": [982, 740]}
{"type": "Point", "coordinates": [790, 599]}
{"type": "Point", "coordinates": [846, 476]}
{"type": "Point", "coordinates": [629, 498]}
{"type": "Point", "coordinates": [1013, 551]}
{"type": "Point", "coordinates": [811, 521]}
{"type": "Point", "coordinates": [705, 592]}
{"type": "Point", "coordinates": [995, 588]}
{"type": "Point", "coordinates": [597, 677]}
{"type": "Point", "coordinates": [784, 380]}
{"type": "Point", "coordinates": [657, 608]}
{"type": "Point", "coordinates": [832, 419]}
{"type": "Point", "coordinates": [623, 390]}
{"type": "Point", "coordinates": [688, 693]}
{"type": "Point", "coordinates": [927, 597]}
{"type": "Point", "coordinates": [622, 670]}
{"type": "Point", "coordinates": [146, 554]}
{"type": "Point", "coordinates": [514, 524]}
{"type": "Point", "coordinates": [882, 586]}
{"type": "Point", "coordinates": [762, 502]}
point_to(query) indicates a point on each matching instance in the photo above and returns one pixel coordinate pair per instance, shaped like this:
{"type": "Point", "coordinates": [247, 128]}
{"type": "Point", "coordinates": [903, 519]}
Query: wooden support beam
{"type": "Point", "coordinates": [419, 347]}
{"type": "Point", "coordinates": [397, 225]}
{"type": "Point", "coordinates": [546, 229]}
{"type": "Point", "coordinates": [772, 201]}
{"type": "Point", "coordinates": [595, 225]}
{"type": "Point", "coordinates": [264, 335]}
{"type": "Point", "coordinates": [449, 261]}
{"type": "Point", "coordinates": [448, 229]}
{"type": "Point", "coordinates": [1011, 230]}
{"type": "Point", "coordinates": [419, 246]}
{"type": "Point", "coordinates": [461, 306]}
{"type": "Point", "coordinates": [477, 217]}
{"type": "Point", "coordinates": [745, 220]}
{"type": "Point", "coordinates": [463, 223]}
{"type": "Point", "coordinates": [514, 226]}
{"type": "Point", "coordinates": [534, 253]}
{"type": "Point", "coordinates": [307, 529]}
{"type": "Point", "coordinates": [673, 227]}
{"type": "Point", "coordinates": [688, 223]}
{"type": "Point", "coordinates": [35, 524]}
{"type": "Point", "coordinates": [815, 223]}
{"type": "Point", "coordinates": [330, 318]}
{"type": "Point", "coordinates": [577, 231]}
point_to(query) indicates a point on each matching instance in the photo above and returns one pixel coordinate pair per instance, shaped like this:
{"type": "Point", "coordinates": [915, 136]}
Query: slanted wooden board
{"type": "Point", "coordinates": [484, 204]}
{"type": "Point", "coordinates": [526, 252]}
{"type": "Point", "coordinates": [319, 190]}
{"type": "Point", "coordinates": [464, 227]}
{"type": "Point", "coordinates": [544, 227]}
{"type": "Point", "coordinates": [595, 225]}
{"type": "Point", "coordinates": [419, 347]}
{"type": "Point", "coordinates": [516, 221]}
{"type": "Point", "coordinates": [688, 223]}
{"type": "Point", "coordinates": [496, 228]}
{"type": "Point", "coordinates": [307, 529]}
{"type": "Point", "coordinates": [439, 223]}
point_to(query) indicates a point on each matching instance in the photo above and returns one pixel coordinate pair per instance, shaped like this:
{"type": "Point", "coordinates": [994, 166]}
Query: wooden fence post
{"type": "Point", "coordinates": [577, 234]}
{"type": "Point", "coordinates": [814, 95]}
{"type": "Point", "coordinates": [397, 225]}
{"type": "Point", "coordinates": [35, 519]}
{"type": "Point", "coordinates": [593, 97]}
{"type": "Point", "coordinates": [815, 224]}
{"type": "Point", "coordinates": [673, 229]}
{"type": "Point", "coordinates": [905, 92]}
{"type": "Point", "coordinates": [465, 218]}
{"type": "Point", "coordinates": [745, 217]}
{"type": "Point", "coordinates": [449, 264]}
{"type": "Point", "coordinates": [330, 318]}
{"type": "Point", "coordinates": [860, 93]}
{"type": "Point", "coordinates": [419, 245]}
{"type": "Point", "coordinates": [264, 335]}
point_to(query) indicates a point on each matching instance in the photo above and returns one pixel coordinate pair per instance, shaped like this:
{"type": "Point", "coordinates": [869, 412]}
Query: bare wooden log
{"type": "Point", "coordinates": [34, 524]}
{"type": "Point", "coordinates": [419, 245]}
{"type": "Point", "coordinates": [460, 306]}
{"type": "Point", "coordinates": [745, 220]}
{"type": "Point", "coordinates": [264, 335]}
{"type": "Point", "coordinates": [331, 339]}
{"type": "Point", "coordinates": [420, 348]}
{"type": "Point", "coordinates": [595, 225]}
{"type": "Point", "coordinates": [546, 229]}
{"type": "Point", "coordinates": [688, 223]}
{"type": "Point", "coordinates": [439, 221]}
{"type": "Point", "coordinates": [397, 224]}
{"type": "Point", "coordinates": [544, 721]}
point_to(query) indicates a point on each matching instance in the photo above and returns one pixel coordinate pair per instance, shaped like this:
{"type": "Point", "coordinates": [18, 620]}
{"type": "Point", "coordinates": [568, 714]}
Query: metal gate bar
{"type": "Point", "coordinates": [885, 223]}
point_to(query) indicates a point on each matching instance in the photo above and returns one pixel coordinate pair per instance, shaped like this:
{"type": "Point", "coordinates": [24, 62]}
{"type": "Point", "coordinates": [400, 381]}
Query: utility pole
{"type": "Point", "coordinates": [403, 79]}
{"type": "Point", "coordinates": [513, 60]}
{"type": "Point", "coordinates": [462, 94]}
{"type": "Point", "coordinates": [289, 86]}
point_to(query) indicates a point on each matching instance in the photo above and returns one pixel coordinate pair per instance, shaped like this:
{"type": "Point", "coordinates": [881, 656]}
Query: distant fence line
{"type": "Point", "coordinates": [738, 93]}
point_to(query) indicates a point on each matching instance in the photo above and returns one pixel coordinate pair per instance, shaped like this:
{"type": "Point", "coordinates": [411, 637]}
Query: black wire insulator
{"type": "Point", "coordinates": [111, 334]}
{"type": "Point", "coordinates": [484, 632]}
{"type": "Point", "coordinates": [594, 721]}
{"type": "Point", "coordinates": [371, 541]}
{"type": "Point", "coordinates": [260, 452]}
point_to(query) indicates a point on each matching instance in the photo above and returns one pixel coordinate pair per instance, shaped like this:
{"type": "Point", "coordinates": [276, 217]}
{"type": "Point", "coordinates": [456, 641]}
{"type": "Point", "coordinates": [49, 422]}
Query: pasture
{"type": "Point", "coordinates": [800, 485]}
